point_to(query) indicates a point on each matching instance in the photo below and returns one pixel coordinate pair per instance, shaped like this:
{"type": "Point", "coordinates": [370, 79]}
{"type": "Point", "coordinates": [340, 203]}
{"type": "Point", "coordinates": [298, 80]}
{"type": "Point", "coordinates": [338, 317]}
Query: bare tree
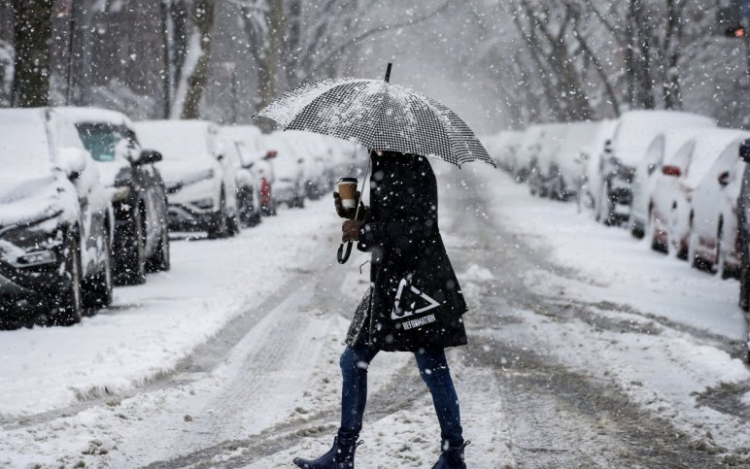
{"type": "Point", "coordinates": [32, 33]}
{"type": "Point", "coordinates": [202, 17]}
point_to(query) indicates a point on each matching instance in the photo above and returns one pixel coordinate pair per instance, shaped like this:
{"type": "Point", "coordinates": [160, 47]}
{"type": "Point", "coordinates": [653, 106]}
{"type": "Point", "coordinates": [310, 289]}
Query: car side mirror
{"type": "Point", "coordinates": [148, 157]}
{"type": "Point", "coordinates": [73, 161]}
{"type": "Point", "coordinates": [745, 151]}
{"type": "Point", "coordinates": [723, 179]}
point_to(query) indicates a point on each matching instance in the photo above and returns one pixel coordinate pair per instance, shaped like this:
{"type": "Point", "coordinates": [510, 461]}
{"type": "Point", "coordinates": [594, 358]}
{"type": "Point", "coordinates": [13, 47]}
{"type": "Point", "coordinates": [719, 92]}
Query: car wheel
{"type": "Point", "coordinates": [161, 259]}
{"type": "Point", "coordinates": [69, 304]}
{"type": "Point", "coordinates": [652, 235]}
{"type": "Point", "coordinates": [131, 253]}
{"type": "Point", "coordinates": [220, 227]}
{"type": "Point", "coordinates": [97, 292]}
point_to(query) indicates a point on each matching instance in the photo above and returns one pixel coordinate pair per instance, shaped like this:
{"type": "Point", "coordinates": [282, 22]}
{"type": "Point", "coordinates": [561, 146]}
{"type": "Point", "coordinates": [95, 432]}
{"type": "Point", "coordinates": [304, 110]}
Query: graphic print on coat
{"type": "Point", "coordinates": [401, 313]}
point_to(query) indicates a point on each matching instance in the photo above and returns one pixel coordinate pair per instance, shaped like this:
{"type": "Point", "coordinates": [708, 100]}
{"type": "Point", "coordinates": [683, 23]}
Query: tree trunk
{"type": "Point", "coordinates": [203, 19]}
{"type": "Point", "coordinates": [270, 61]}
{"type": "Point", "coordinates": [32, 33]}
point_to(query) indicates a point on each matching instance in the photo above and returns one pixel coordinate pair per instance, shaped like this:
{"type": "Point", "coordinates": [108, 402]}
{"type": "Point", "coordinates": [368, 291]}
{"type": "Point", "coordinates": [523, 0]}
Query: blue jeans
{"type": "Point", "coordinates": [435, 372]}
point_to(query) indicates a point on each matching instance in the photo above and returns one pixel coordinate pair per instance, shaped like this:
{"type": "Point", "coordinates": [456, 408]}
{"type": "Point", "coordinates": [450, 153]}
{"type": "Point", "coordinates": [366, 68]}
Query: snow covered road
{"type": "Point", "coordinates": [586, 351]}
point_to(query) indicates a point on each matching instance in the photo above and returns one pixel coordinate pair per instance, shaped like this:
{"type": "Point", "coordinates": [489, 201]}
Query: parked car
{"type": "Point", "coordinates": [542, 168]}
{"type": "Point", "coordinates": [528, 149]}
{"type": "Point", "coordinates": [248, 182]}
{"type": "Point", "coordinates": [743, 215]}
{"type": "Point", "coordinates": [714, 235]}
{"type": "Point", "coordinates": [256, 152]}
{"type": "Point", "coordinates": [503, 147]}
{"type": "Point", "coordinates": [590, 156]}
{"type": "Point", "coordinates": [671, 218]}
{"type": "Point", "coordinates": [565, 168]}
{"type": "Point", "coordinates": [56, 221]}
{"type": "Point", "coordinates": [668, 147]}
{"type": "Point", "coordinates": [201, 180]}
{"type": "Point", "coordinates": [138, 193]}
{"type": "Point", "coordinates": [634, 133]}
{"type": "Point", "coordinates": [289, 183]}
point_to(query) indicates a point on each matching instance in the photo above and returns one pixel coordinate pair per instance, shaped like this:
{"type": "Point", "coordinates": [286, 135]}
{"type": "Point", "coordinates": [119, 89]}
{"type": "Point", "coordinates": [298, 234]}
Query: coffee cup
{"type": "Point", "coordinates": [348, 192]}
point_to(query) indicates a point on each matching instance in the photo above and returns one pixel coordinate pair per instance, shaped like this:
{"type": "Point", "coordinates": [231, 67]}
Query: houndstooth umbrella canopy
{"type": "Point", "coordinates": [380, 116]}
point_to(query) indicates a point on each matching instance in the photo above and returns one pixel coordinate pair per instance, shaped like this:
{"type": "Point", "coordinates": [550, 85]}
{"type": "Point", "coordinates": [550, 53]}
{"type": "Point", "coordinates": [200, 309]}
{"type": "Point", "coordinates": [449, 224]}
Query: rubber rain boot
{"type": "Point", "coordinates": [340, 456]}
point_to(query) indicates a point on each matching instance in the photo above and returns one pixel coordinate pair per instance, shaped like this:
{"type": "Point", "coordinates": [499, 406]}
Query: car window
{"type": "Point", "coordinates": [100, 140]}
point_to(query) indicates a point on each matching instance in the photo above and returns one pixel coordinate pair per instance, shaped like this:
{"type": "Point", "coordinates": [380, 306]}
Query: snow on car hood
{"type": "Point", "coordinates": [28, 199]}
{"type": "Point", "coordinates": [176, 172]}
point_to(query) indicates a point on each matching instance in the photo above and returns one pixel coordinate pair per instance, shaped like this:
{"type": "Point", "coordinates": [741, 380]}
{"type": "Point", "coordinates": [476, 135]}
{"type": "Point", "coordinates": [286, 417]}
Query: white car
{"type": "Point", "coordinates": [541, 168]}
{"type": "Point", "coordinates": [255, 154]}
{"type": "Point", "coordinates": [664, 147]}
{"type": "Point", "coordinates": [200, 177]}
{"type": "Point", "coordinates": [671, 216]}
{"type": "Point", "coordinates": [56, 221]}
{"type": "Point", "coordinates": [248, 181]}
{"type": "Point", "coordinates": [565, 168]}
{"type": "Point", "coordinates": [289, 184]}
{"type": "Point", "coordinates": [714, 235]}
{"type": "Point", "coordinates": [634, 133]}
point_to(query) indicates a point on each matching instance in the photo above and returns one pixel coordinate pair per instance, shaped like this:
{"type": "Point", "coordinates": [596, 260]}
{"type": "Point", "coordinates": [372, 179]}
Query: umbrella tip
{"type": "Point", "coordinates": [388, 72]}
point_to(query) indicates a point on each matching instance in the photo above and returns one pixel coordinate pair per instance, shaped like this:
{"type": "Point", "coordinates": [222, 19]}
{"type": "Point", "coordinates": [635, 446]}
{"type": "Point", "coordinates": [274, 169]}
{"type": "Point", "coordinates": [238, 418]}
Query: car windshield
{"type": "Point", "coordinates": [100, 140]}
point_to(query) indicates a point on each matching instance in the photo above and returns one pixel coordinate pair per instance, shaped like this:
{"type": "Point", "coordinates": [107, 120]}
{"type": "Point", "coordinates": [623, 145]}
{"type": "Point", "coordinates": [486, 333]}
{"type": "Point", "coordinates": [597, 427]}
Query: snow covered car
{"type": "Point", "coordinates": [248, 182]}
{"type": "Point", "coordinates": [714, 235]}
{"type": "Point", "coordinates": [664, 147]}
{"type": "Point", "coordinates": [201, 180]}
{"type": "Point", "coordinates": [138, 193]}
{"type": "Point", "coordinates": [528, 149]}
{"type": "Point", "coordinates": [590, 156]}
{"type": "Point", "coordinates": [542, 168]}
{"type": "Point", "coordinates": [55, 221]}
{"type": "Point", "coordinates": [254, 152]}
{"type": "Point", "coordinates": [289, 183]}
{"type": "Point", "coordinates": [634, 133]}
{"type": "Point", "coordinates": [565, 169]}
{"type": "Point", "coordinates": [670, 213]}
{"type": "Point", "coordinates": [503, 148]}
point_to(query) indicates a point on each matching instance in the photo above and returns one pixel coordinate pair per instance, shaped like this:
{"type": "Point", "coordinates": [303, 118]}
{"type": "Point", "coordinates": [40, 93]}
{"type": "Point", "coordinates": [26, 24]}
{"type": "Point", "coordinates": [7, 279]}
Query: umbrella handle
{"type": "Point", "coordinates": [344, 256]}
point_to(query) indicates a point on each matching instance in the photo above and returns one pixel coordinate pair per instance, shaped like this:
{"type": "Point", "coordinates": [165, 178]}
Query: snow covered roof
{"type": "Point", "coordinates": [637, 129]}
{"type": "Point", "coordinates": [709, 145]}
{"type": "Point", "coordinates": [91, 114]}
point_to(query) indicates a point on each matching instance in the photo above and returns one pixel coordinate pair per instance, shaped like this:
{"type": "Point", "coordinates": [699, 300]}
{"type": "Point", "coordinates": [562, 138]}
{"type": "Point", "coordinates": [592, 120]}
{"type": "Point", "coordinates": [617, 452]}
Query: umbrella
{"type": "Point", "coordinates": [378, 115]}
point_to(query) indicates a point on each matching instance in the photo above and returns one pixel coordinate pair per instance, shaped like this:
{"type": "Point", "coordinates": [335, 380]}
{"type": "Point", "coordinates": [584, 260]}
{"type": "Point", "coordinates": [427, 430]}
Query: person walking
{"type": "Point", "coordinates": [414, 302]}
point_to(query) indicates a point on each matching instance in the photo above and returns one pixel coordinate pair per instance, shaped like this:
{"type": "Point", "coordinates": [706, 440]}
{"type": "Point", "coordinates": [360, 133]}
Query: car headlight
{"type": "Point", "coordinates": [37, 258]}
{"type": "Point", "coordinates": [33, 239]}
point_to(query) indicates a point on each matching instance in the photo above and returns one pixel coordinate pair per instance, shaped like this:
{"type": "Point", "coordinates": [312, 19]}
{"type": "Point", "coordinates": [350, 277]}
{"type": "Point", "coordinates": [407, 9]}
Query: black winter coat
{"type": "Point", "coordinates": [414, 300]}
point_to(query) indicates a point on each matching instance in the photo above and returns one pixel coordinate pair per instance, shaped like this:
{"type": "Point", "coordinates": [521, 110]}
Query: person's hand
{"type": "Point", "coordinates": [351, 230]}
{"type": "Point", "coordinates": [349, 213]}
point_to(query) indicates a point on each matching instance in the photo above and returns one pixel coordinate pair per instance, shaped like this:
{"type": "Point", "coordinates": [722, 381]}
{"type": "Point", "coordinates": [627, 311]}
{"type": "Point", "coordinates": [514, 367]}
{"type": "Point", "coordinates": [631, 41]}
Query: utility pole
{"type": "Point", "coordinates": [71, 48]}
{"type": "Point", "coordinates": [166, 6]}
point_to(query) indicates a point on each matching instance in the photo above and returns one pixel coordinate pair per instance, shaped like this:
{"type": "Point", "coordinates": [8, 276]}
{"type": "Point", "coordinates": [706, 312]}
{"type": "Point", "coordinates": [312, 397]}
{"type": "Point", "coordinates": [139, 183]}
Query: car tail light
{"type": "Point", "coordinates": [265, 191]}
{"type": "Point", "coordinates": [670, 170]}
